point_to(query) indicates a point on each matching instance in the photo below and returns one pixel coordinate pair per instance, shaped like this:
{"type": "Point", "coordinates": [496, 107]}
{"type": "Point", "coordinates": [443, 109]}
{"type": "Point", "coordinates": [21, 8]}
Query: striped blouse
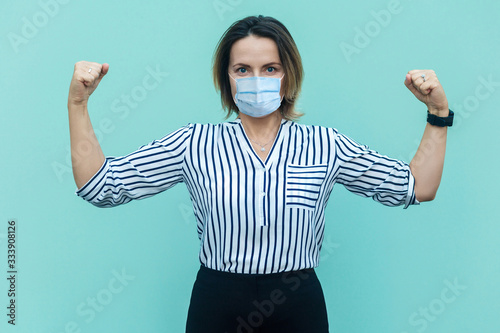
{"type": "Point", "coordinates": [254, 216]}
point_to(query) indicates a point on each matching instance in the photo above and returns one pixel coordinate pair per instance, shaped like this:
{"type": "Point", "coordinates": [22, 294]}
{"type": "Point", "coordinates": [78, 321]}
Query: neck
{"type": "Point", "coordinates": [261, 129]}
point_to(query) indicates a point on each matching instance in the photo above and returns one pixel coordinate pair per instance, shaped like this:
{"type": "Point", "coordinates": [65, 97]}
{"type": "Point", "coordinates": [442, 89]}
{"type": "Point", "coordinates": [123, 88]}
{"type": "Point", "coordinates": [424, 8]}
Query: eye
{"type": "Point", "coordinates": [271, 69]}
{"type": "Point", "coordinates": [242, 70]}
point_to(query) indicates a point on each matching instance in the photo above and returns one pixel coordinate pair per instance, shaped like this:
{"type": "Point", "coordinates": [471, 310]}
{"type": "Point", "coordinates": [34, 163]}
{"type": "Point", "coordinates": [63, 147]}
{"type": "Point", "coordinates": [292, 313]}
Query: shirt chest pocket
{"type": "Point", "coordinates": [303, 183]}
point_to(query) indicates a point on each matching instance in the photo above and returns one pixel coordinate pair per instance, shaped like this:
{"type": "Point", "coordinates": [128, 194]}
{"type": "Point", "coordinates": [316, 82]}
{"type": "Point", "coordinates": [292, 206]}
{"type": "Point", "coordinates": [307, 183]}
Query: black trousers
{"type": "Point", "coordinates": [290, 302]}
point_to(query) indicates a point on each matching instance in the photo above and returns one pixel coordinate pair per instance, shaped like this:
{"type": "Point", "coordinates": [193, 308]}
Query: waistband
{"type": "Point", "coordinates": [268, 276]}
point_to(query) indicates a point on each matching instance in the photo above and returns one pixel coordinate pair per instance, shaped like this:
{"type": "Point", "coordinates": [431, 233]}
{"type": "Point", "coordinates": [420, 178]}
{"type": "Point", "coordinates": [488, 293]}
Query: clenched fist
{"type": "Point", "coordinates": [86, 78]}
{"type": "Point", "coordinates": [425, 85]}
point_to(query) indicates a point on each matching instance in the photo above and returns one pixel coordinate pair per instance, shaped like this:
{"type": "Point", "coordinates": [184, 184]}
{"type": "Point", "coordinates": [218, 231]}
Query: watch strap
{"type": "Point", "coordinates": [440, 121]}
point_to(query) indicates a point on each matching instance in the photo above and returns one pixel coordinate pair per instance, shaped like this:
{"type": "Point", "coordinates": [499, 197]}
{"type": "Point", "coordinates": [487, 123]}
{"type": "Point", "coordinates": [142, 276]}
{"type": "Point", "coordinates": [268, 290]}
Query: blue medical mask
{"type": "Point", "coordinates": [258, 96]}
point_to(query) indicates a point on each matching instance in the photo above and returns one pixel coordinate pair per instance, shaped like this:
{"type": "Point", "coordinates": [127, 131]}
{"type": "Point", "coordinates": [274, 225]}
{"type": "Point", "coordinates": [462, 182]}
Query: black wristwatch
{"type": "Point", "coordinates": [440, 121]}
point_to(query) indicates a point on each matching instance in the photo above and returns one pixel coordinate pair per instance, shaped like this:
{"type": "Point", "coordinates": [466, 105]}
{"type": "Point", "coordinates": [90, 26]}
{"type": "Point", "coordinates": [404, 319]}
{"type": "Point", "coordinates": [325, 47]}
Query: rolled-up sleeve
{"type": "Point", "coordinates": [367, 173]}
{"type": "Point", "coordinates": [151, 169]}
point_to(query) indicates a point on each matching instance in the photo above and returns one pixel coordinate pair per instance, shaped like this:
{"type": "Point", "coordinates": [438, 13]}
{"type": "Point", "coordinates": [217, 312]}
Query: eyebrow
{"type": "Point", "coordinates": [245, 65]}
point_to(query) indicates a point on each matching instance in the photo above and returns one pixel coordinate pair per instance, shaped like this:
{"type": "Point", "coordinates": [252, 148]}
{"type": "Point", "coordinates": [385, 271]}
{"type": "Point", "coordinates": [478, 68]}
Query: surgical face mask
{"type": "Point", "coordinates": [258, 96]}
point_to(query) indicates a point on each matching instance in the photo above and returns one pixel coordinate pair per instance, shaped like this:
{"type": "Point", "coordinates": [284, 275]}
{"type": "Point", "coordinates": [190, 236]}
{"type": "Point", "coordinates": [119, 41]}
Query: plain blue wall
{"type": "Point", "coordinates": [381, 267]}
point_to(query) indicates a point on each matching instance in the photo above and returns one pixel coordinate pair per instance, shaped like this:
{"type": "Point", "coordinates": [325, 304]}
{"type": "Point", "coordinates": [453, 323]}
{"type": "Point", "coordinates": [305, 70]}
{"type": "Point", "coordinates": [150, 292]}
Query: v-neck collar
{"type": "Point", "coordinates": [249, 147]}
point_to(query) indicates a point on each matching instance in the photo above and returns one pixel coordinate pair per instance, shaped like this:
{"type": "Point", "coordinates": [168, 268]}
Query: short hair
{"type": "Point", "coordinates": [261, 26]}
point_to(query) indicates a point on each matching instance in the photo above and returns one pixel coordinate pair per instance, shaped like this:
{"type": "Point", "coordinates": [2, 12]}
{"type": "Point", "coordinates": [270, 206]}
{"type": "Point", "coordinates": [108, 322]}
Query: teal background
{"type": "Point", "coordinates": [379, 265]}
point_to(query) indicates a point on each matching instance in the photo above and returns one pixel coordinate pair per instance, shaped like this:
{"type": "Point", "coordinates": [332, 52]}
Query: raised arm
{"type": "Point", "coordinates": [86, 153]}
{"type": "Point", "coordinates": [427, 164]}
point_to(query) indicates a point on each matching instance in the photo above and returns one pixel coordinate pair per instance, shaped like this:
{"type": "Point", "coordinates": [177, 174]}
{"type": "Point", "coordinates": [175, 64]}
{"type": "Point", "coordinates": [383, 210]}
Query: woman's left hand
{"type": "Point", "coordinates": [429, 91]}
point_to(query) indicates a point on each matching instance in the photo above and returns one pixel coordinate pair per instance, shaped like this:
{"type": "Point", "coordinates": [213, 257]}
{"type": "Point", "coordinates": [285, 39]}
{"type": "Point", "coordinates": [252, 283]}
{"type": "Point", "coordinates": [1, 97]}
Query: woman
{"type": "Point", "coordinates": [259, 184]}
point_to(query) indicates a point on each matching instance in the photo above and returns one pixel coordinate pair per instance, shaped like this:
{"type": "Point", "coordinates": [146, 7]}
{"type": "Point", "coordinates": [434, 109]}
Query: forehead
{"type": "Point", "coordinates": [254, 50]}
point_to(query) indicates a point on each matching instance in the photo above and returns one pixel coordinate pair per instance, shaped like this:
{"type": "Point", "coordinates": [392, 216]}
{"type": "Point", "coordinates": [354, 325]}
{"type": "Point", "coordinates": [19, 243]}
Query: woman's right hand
{"type": "Point", "coordinates": [84, 83]}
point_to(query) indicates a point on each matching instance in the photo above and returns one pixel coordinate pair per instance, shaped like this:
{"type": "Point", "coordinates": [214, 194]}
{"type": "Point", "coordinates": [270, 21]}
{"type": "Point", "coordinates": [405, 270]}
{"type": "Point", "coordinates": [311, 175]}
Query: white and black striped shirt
{"type": "Point", "coordinates": [254, 216]}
